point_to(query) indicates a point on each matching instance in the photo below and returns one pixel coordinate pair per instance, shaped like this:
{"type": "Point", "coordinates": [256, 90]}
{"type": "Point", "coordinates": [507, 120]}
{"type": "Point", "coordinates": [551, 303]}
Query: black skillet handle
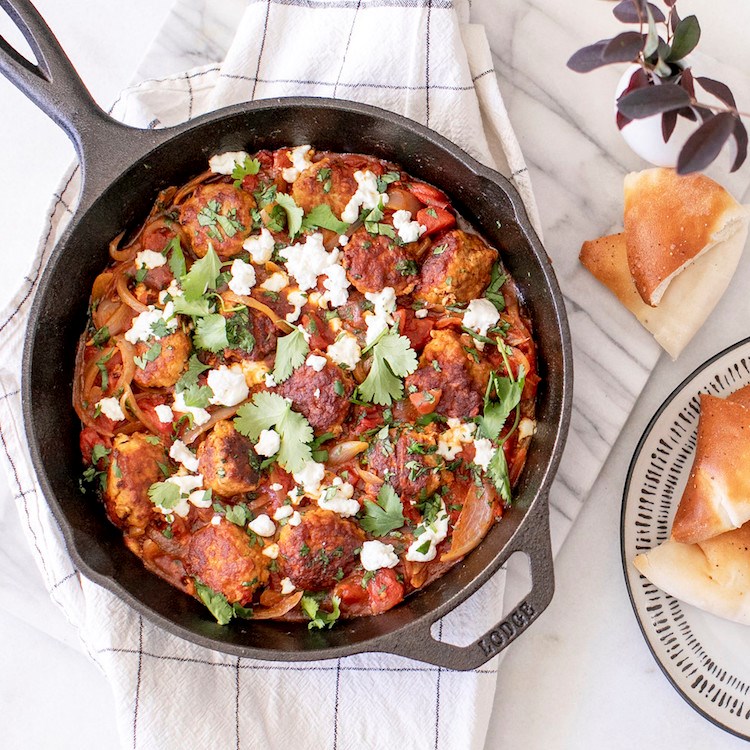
{"type": "Point", "coordinates": [535, 542]}
{"type": "Point", "coordinates": [55, 87]}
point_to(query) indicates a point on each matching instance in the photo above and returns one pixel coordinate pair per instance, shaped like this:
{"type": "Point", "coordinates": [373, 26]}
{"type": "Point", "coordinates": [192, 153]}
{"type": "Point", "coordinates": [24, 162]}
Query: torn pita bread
{"type": "Point", "coordinates": [717, 496]}
{"type": "Point", "coordinates": [713, 575]}
{"type": "Point", "coordinates": [690, 298]}
{"type": "Point", "coordinates": [670, 222]}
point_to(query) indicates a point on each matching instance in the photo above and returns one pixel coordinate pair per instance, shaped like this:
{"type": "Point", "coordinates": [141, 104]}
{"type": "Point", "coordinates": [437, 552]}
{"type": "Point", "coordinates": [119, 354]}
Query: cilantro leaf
{"type": "Point", "coordinates": [386, 180]}
{"type": "Point", "coordinates": [497, 470]}
{"type": "Point", "coordinates": [197, 396]}
{"type": "Point", "coordinates": [269, 410]}
{"type": "Point", "coordinates": [239, 331]}
{"type": "Point", "coordinates": [218, 605]}
{"type": "Point", "coordinates": [291, 351]}
{"type": "Point", "coordinates": [493, 293]}
{"type": "Point", "coordinates": [101, 337]}
{"type": "Point", "coordinates": [385, 515]}
{"type": "Point", "coordinates": [201, 276]}
{"type": "Point", "coordinates": [237, 514]}
{"type": "Point", "coordinates": [248, 167]}
{"type": "Point", "coordinates": [322, 216]}
{"type": "Point", "coordinates": [497, 412]}
{"type": "Point", "coordinates": [392, 359]}
{"type": "Point", "coordinates": [149, 356]}
{"type": "Point", "coordinates": [176, 258]}
{"type": "Point", "coordinates": [164, 494]}
{"type": "Point", "coordinates": [197, 308]}
{"type": "Point", "coordinates": [211, 333]}
{"type": "Point", "coordinates": [293, 213]}
{"type": "Point", "coordinates": [265, 194]}
{"type": "Point", "coordinates": [190, 376]}
{"type": "Point", "coordinates": [319, 618]}
{"type": "Point", "coordinates": [386, 230]}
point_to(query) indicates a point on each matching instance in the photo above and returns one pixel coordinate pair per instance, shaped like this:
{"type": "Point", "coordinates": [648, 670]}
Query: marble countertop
{"type": "Point", "coordinates": [582, 676]}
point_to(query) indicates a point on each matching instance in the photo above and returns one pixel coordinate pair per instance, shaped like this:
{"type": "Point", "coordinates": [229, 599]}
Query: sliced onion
{"type": "Point", "coordinates": [102, 284]}
{"type": "Point", "coordinates": [120, 254]}
{"type": "Point", "coordinates": [217, 416]}
{"type": "Point", "coordinates": [186, 190]}
{"type": "Point", "coordinates": [473, 523]}
{"type": "Point", "coordinates": [280, 608]}
{"type": "Point", "coordinates": [127, 352]}
{"type": "Point", "coordinates": [343, 452]}
{"type": "Point", "coordinates": [400, 199]}
{"type": "Point", "coordinates": [241, 299]}
{"type": "Point", "coordinates": [126, 295]}
{"type": "Point", "coordinates": [368, 477]}
{"type": "Point", "coordinates": [416, 572]}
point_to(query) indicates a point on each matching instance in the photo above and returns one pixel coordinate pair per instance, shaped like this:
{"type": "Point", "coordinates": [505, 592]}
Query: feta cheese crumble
{"type": "Point", "coordinates": [366, 196]}
{"type": "Point", "coordinates": [200, 498]}
{"type": "Point", "coordinates": [408, 230]}
{"type": "Point", "coordinates": [336, 286]}
{"type": "Point", "coordinates": [421, 313]}
{"type": "Point", "coordinates": [483, 452]}
{"type": "Point", "coordinates": [309, 259]}
{"type": "Point", "coordinates": [262, 525]}
{"type": "Point", "coordinates": [379, 320]}
{"type": "Point", "coordinates": [310, 477]}
{"type": "Point", "coordinates": [424, 547]}
{"type": "Point", "coordinates": [300, 158]}
{"type": "Point", "coordinates": [452, 440]}
{"type": "Point", "coordinates": [270, 380]}
{"type": "Point", "coordinates": [226, 162]}
{"type": "Point", "coordinates": [200, 416]}
{"type": "Point", "coordinates": [480, 316]}
{"type": "Point", "coordinates": [345, 351]}
{"type": "Point", "coordinates": [228, 384]}
{"type": "Point", "coordinates": [282, 512]}
{"type": "Point", "coordinates": [183, 455]}
{"type": "Point", "coordinates": [297, 299]}
{"type": "Point", "coordinates": [141, 328]}
{"type": "Point", "coordinates": [271, 551]}
{"type": "Point", "coordinates": [243, 277]}
{"type": "Point", "coordinates": [275, 282]}
{"type": "Point", "coordinates": [111, 408]}
{"type": "Point", "coordinates": [187, 483]}
{"type": "Point", "coordinates": [260, 246]}
{"type": "Point", "coordinates": [269, 442]}
{"type": "Point", "coordinates": [316, 362]}
{"type": "Point", "coordinates": [165, 413]}
{"type": "Point", "coordinates": [149, 259]}
{"type": "Point", "coordinates": [287, 586]}
{"type": "Point", "coordinates": [376, 555]}
{"type": "Point", "coordinates": [339, 498]}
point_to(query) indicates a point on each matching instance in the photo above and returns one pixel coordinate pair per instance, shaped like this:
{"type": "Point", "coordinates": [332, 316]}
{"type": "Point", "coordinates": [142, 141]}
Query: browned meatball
{"type": "Point", "coordinates": [457, 269]}
{"type": "Point", "coordinates": [223, 558]}
{"type": "Point", "coordinates": [166, 369]}
{"type": "Point", "coordinates": [331, 180]}
{"type": "Point", "coordinates": [226, 461]}
{"type": "Point", "coordinates": [253, 334]}
{"type": "Point", "coordinates": [218, 214]}
{"type": "Point", "coordinates": [460, 380]}
{"type": "Point", "coordinates": [133, 468]}
{"type": "Point", "coordinates": [407, 462]}
{"type": "Point", "coordinates": [323, 397]}
{"type": "Point", "coordinates": [320, 551]}
{"type": "Point", "coordinates": [375, 261]}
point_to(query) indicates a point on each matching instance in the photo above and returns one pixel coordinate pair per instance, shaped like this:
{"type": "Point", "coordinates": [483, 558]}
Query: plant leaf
{"type": "Point", "coordinates": [291, 351]}
{"type": "Point", "coordinates": [652, 38]}
{"type": "Point", "coordinates": [718, 89]}
{"type": "Point", "coordinates": [652, 100]}
{"type": "Point", "coordinates": [668, 123]}
{"type": "Point", "coordinates": [686, 37]}
{"type": "Point", "coordinates": [674, 18]}
{"type": "Point", "coordinates": [740, 136]}
{"type": "Point", "coordinates": [686, 81]}
{"type": "Point", "coordinates": [588, 58]}
{"type": "Point", "coordinates": [627, 12]}
{"type": "Point", "coordinates": [704, 144]}
{"type": "Point", "coordinates": [385, 514]}
{"type": "Point", "coordinates": [624, 47]}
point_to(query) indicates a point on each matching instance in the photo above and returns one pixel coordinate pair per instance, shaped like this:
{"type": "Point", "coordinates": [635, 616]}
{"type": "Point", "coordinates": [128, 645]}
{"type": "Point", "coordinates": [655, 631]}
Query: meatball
{"type": "Point", "coordinates": [166, 369]}
{"type": "Point", "coordinates": [252, 334]}
{"type": "Point", "coordinates": [321, 395]}
{"type": "Point", "coordinates": [133, 468]}
{"type": "Point", "coordinates": [373, 262]}
{"type": "Point", "coordinates": [218, 214]}
{"type": "Point", "coordinates": [445, 366]}
{"type": "Point", "coordinates": [223, 558]}
{"type": "Point", "coordinates": [407, 462]}
{"type": "Point", "coordinates": [321, 550]}
{"type": "Point", "coordinates": [331, 180]}
{"type": "Point", "coordinates": [227, 462]}
{"type": "Point", "coordinates": [458, 269]}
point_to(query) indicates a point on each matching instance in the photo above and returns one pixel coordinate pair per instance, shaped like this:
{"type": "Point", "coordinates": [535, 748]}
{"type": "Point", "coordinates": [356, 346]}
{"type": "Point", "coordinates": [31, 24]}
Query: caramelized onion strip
{"type": "Point", "coordinates": [345, 451]}
{"type": "Point", "coordinates": [241, 299]}
{"type": "Point", "coordinates": [473, 523]}
{"type": "Point", "coordinates": [126, 295]}
{"type": "Point", "coordinates": [280, 608]}
{"type": "Point", "coordinates": [217, 416]}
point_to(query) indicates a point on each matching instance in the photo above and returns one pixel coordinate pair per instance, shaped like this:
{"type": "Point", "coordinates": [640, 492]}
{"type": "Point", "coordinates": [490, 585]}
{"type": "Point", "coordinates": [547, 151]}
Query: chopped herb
{"type": "Point", "coordinates": [211, 333]}
{"type": "Point", "coordinates": [387, 179]}
{"type": "Point", "coordinates": [98, 452]}
{"type": "Point", "coordinates": [338, 388]}
{"type": "Point", "coordinates": [265, 194]}
{"type": "Point", "coordinates": [190, 377]}
{"type": "Point", "coordinates": [493, 293]}
{"type": "Point", "coordinates": [101, 337]}
{"type": "Point", "coordinates": [431, 212]}
{"type": "Point", "coordinates": [152, 440]}
{"type": "Point", "coordinates": [248, 167]}
{"type": "Point", "coordinates": [294, 213]}
{"type": "Point", "coordinates": [291, 351]}
{"type": "Point", "coordinates": [101, 364]}
{"type": "Point", "coordinates": [152, 354]}
{"type": "Point", "coordinates": [217, 603]}
{"type": "Point", "coordinates": [238, 329]}
{"type": "Point", "coordinates": [439, 250]}
{"type": "Point", "coordinates": [367, 577]}
{"type": "Point", "coordinates": [324, 176]}
{"type": "Point", "coordinates": [424, 548]}
{"type": "Point", "coordinates": [176, 257]}
{"type": "Point", "coordinates": [201, 276]}
{"type": "Point", "coordinates": [320, 618]}
{"type": "Point", "coordinates": [407, 267]}
{"type": "Point", "coordinates": [164, 494]}
{"type": "Point", "coordinates": [141, 274]}
{"type": "Point", "coordinates": [210, 216]}
{"type": "Point", "coordinates": [385, 514]}
{"type": "Point", "coordinates": [237, 514]}
{"type": "Point", "coordinates": [322, 216]}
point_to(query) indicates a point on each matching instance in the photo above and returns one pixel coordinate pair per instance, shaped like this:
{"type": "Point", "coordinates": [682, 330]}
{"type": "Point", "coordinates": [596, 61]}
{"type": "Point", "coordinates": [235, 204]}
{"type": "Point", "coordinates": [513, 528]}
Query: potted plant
{"type": "Point", "coordinates": [658, 92]}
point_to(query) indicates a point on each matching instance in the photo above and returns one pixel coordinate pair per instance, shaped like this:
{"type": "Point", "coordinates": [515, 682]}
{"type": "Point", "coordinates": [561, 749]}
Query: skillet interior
{"type": "Point", "coordinates": [59, 315]}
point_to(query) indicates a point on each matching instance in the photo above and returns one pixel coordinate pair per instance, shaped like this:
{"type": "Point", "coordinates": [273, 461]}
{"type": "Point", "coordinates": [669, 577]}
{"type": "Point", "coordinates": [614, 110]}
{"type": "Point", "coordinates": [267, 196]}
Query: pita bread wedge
{"type": "Point", "coordinates": [671, 221]}
{"type": "Point", "coordinates": [690, 298]}
{"type": "Point", "coordinates": [717, 496]}
{"type": "Point", "coordinates": [713, 575]}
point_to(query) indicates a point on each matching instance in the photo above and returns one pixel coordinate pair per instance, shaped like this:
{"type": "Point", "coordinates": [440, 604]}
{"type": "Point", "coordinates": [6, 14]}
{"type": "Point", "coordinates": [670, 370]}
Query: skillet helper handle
{"type": "Point", "coordinates": [53, 84]}
{"type": "Point", "coordinates": [535, 542]}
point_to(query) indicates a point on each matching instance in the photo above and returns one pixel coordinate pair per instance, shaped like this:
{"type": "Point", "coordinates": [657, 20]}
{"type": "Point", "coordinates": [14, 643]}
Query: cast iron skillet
{"type": "Point", "coordinates": [123, 169]}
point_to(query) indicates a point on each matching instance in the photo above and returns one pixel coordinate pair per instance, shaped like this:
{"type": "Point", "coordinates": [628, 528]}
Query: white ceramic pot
{"type": "Point", "coordinates": [645, 137]}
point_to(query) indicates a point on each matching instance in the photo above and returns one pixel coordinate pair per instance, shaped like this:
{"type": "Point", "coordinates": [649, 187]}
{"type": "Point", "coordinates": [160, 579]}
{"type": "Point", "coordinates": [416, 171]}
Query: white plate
{"type": "Point", "coordinates": [707, 659]}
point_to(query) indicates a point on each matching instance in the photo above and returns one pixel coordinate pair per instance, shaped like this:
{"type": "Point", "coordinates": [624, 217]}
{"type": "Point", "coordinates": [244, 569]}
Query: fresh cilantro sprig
{"type": "Point", "coordinates": [392, 359]}
{"type": "Point", "coordinates": [153, 352]}
{"type": "Point", "coordinates": [269, 410]}
{"type": "Point", "coordinates": [385, 515]}
{"type": "Point", "coordinates": [248, 167]}
{"type": "Point", "coordinates": [218, 605]}
{"type": "Point", "coordinates": [293, 212]}
{"type": "Point", "coordinates": [322, 217]}
{"type": "Point", "coordinates": [164, 494]}
{"type": "Point", "coordinates": [387, 179]}
{"type": "Point", "coordinates": [211, 333]}
{"type": "Point", "coordinates": [291, 351]}
{"type": "Point", "coordinates": [493, 293]}
{"type": "Point", "coordinates": [189, 378]}
{"type": "Point", "coordinates": [176, 257]}
{"type": "Point", "coordinates": [210, 216]}
{"type": "Point", "coordinates": [201, 276]}
{"type": "Point", "coordinates": [319, 618]}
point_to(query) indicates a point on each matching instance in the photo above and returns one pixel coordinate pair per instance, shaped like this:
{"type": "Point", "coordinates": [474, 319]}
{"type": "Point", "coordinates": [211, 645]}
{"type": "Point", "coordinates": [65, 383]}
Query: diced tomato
{"type": "Point", "coordinates": [384, 591]}
{"type": "Point", "coordinates": [429, 195]}
{"type": "Point", "coordinates": [90, 438]}
{"type": "Point", "coordinates": [351, 591]}
{"type": "Point", "coordinates": [371, 416]}
{"type": "Point", "coordinates": [435, 219]}
{"type": "Point", "coordinates": [281, 159]}
{"type": "Point", "coordinates": [320, 332]}
{"type": "Point", "coordinates": [159, 278]}
{"type": "Point", "coordinates": [425, 402]}
{"type": "Point", "coordinates": [157, 236]}
{"type": "Point", "coordinates": [417, 330]}
{"type": "Point", "coordinates": [250, 183]}
{"type": "Point", "coordinates": [148, 404]}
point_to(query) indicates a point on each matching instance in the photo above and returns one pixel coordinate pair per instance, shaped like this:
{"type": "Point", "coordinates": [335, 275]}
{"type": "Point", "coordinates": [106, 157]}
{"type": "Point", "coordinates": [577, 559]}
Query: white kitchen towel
{"type": "Point", "coordinates": [416, 57]}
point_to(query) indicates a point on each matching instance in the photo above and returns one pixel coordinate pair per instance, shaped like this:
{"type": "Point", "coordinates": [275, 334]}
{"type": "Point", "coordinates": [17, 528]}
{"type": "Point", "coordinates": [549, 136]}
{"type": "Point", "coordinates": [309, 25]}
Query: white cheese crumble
{"type": "Point", "coordinates": [316, 393]}
{"type": "Point", "coordinates": [216, 520]}
{"type": "Point", "coordinates": [269, 380]}
{"type": "Point", "coordinates": [306, 261]}
{"type": "Point", "coordinates": [295, 519]}
{"type": "Point", "coordinates": [300, 158]}
{"type": "Point", "coordinates": [276, 487]}
{"type": "Point", "coordinates": [339, 498]}
{"type": "Point", "coordinates": [269, 442]}
{"type": "Point", "coordinates": [408, 230]}
{"type": "Point", "coordinates": [316, 362]}
{"type": "Point", "coordinates": [367, 196]}
{"type": "Point", "coordinates": [297, 300]}
{"type": "Point", "coordinates": [271, 551]}
{"type": "Point", "coordinates": [141, 328]}
{"type": "Point", "coordinates": [200, 416]}
{"type": "Point", "coordinates": [187, 484]}
{"type": "Point", "coordinates": [483, 452]}
{"type": "Point", "coordinates": [262, 525]}
{"type": "Point", "coordinates": [343, 240]}
{"type": "Point", "coordinates": [226, 162]}
{"type": "Point", "coordinates": [430, 535]}
{"type": "Point", "coordinates": [480, 316]}
{"type": "Point", "coordinates": [310, 477]}
{"type": "Point", "coordinates": [243, 277]}
{"type": "Point", "coordinates": [376, 555]}
{"type": "Point", "coordinates": [183, 455]}
{"type": "Point", "coordinates": [228, 384]}
{"type": "Point", "coordinates": [200, 498]}
{"type": "Point", "coordinates": [282, 512]}
{"type": "Point", "coordinates": [165, 413]}
{"type": "Point", "coordinates": [275, 282]}
{"type": "Point", "coordinates": [149, 259]}
{"type": "Point", "coordinates": [111, 408]}
{"type": "Point", "coordinates": [260, 246]}
{"type": "Point", "coordinates": [336, 286]}
{"type": "Point", "coordinates": [287, 586]}
{"type": "Point", "coordinates": [379, 320]}
{"type": "Point", "coordinates": [526, 428]}
{"type": "Point", "coordinates": [345, 351]}
{"type": "Point", "coordinates": [451, 441]}
{"type": "Point", "coordinates": [421, 313]}
{"type": "Point", "coordinates": [171, 292]}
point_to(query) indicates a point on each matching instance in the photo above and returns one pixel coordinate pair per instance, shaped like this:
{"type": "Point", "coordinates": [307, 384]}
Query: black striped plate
{"type": "Point", "coordinates": [705, 658]}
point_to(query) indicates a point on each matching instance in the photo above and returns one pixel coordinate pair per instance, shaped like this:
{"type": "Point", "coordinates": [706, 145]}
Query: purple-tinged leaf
{"type": "Point", "coordinates": [628, 12]}
{"type": "Point", "coordinates": [668, 122]}
{"type": "Point", "coordinates": [688, 114]}
{"type": "Point", "coordinates": [703, 112]}
{"type": "Point", "coordinates": [704, 144]}
{"type": "Point", "coordinates": [652, 38]}
{"type": "Point", "coordinates": [686, 81]}
{"type": "Point", "coordinates": [719, 90]}
{"type": "Point", "coordinates": [740, 137]}
{"type": "Point", "coordinates": [670, 3]}
{"type": "Point", "coordinates": [621, 120]}
{"type": "Point", "coordinates": [624, 47]}
{"type": "Point", "coordinates": [588, 58]}
{"type": "Point", "coordinates": [686, 37]}
{"type": "Point", "coordinates": [652, 100]}
{"type": "Point", "coordinates": [674, 19]}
